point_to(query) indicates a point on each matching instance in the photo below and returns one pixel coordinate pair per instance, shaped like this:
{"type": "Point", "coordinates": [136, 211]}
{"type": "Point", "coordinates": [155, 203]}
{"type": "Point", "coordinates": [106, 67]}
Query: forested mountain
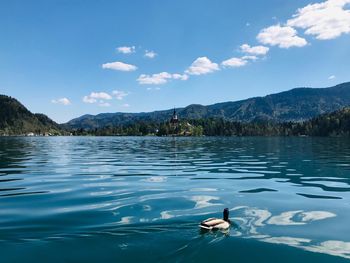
{"type": "Point", "coordinates": [295, 105]}
{"type": "Point", "coordinates": [329, 124]}
{"type": "Point", "coordinates": [301, 111]}
{"type": "Point", "coordinates": [15, 119]}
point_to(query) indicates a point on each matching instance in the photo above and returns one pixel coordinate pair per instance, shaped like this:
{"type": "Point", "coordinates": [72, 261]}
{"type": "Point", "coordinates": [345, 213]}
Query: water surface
{"type": "Point", "coordinates": [140, 199]}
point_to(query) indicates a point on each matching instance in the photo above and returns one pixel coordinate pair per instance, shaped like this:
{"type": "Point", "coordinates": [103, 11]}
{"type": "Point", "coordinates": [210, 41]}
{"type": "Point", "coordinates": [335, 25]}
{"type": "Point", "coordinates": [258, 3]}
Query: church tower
{"type": "Point", "coordinates": [174, 121]}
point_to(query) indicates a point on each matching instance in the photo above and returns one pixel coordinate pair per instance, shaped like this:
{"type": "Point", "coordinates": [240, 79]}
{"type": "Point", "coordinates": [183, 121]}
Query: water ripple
{"type": "Point", "coordinates": [83, 187]}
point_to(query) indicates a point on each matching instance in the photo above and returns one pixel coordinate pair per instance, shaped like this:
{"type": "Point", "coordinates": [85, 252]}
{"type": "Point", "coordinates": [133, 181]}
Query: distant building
{"type": "Point", "coordinates": [174, 119]}
{"type": "Point", "coordinates": [174, 122]}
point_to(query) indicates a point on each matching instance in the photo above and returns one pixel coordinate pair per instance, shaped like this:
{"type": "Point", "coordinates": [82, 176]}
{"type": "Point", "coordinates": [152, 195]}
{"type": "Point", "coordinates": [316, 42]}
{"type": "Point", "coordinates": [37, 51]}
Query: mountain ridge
{"type": "Point", "coordinates": [297, 104]}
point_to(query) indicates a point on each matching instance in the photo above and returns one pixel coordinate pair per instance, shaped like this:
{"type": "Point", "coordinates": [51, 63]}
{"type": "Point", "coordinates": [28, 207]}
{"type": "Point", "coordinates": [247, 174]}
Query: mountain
{"type": "Point", "coordinates": [15, 119]}
{"type": "Point", "coordinates": [296, 105]}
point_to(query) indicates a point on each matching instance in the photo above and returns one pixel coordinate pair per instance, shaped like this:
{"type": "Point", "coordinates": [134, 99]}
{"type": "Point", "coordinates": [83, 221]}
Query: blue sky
{"type": "Point", "coordinates": [69, 58]}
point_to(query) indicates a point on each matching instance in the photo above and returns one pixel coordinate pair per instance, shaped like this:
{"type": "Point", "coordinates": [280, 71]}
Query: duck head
{"type": "Point", "coordinates": [226, 214]}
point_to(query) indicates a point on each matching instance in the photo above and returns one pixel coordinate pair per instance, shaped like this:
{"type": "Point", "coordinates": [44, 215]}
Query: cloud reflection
{"type": "Point", "coordinates": [204, 201]}
{"type": "Point", "coordinates": [254, 219]}
{"type": "Point", "coordinates": [166, 215]}
{"type": "Point", "coordinates": [291, 241]}
{"type": "Point", "coordinates": [156, 179]}
{"type": "Point", "coordinates": [332, 247]}
{"type": "Point", "coordinates": [285, 219]}
{"type": "Point", "coordinates": [126, 220]}
{"type": "Point", "coordinates": [316, 215]}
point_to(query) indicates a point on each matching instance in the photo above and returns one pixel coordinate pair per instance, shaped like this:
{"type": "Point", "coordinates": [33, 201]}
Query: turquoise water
{"type": "Point", "coordinates": [140, 199]}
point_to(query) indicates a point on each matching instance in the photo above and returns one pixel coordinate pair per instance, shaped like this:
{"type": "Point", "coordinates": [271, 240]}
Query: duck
{"type": "Point", "coordinates": [216, 223]}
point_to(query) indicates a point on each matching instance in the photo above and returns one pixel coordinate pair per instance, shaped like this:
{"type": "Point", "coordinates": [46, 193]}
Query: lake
{"type": "Point", "coordinates": [140, 199]}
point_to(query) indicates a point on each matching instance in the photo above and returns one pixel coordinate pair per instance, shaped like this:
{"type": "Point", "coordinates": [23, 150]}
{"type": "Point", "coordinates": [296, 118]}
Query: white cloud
{"type": "Point", "coordinates": [326, 20]}
{"type": "Point", "coordinates": [87, 99]}
{"type": "Point", "coordinates": [63, 101]}
{"type": "Point", "coordinates": [126, 105]}
{"type": "Point", "coordinates": [256, 50]}
{"type": "Point", "coordinates": [155, 79]}
{"type": "Point", "coordinates": [282, 36]}
{"type": "Point", "coordinates": [100, 95]}
{"type": "Point", "coordinates": [180, 76]}
{"type": "Point", "coordinates": [331, 77]}
{"type": "Point", "coordinates": [126, 50]}
{"type": "Point", "coordinates": [159, 78]}
{"type": "Point", "coordinates": [202, 65]}
{"type": "Point", "coordinates": [119, 94]}
{"type": "Point", "coordinates": [97, 96]}
{"type": "Point", "coordinates": [119, 66]}
{"type": "Point", "coordinates": [150, 54]}
{"type": "Point", "coordinates": [250, 57]}
{"type": "Point", "coordinates": [234, 62]}
{"type": "Point", "coordinates": [101, 98]}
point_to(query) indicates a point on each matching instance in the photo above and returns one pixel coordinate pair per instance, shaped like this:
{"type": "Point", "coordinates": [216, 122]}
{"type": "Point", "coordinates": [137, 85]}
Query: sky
{"type": "Point", "coordinates": [67, 58]}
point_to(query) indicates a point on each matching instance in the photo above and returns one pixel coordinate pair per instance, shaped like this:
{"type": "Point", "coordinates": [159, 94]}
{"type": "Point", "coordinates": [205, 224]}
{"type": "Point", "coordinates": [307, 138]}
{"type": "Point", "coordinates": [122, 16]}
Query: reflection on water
{"type": "Point", "coordinates": [254, 219]}
{"type": "Point", "coordinates": [126, 192]}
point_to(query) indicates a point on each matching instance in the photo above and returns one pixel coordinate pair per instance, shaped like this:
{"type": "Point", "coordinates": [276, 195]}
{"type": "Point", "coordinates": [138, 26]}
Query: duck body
{"type": "Point", "coordinates": [217, 224]}
{"type": "Point", "coordinates": [214, 224]}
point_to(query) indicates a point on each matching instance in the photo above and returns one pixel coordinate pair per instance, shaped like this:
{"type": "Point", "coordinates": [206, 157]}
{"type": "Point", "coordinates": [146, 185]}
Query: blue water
{"type": "Point", "coordinates": [140, 199]}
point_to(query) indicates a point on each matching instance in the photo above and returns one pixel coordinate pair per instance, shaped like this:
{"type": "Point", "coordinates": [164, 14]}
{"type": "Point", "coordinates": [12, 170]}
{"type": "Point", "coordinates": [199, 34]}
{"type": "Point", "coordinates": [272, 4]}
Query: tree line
{"type": "Point", "coordinates": [331, 124]}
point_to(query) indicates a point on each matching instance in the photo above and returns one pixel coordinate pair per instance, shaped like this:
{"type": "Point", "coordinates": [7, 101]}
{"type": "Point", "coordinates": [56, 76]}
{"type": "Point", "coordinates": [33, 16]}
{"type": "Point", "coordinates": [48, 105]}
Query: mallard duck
{"type": "Point", "coordinates": [217, 224]}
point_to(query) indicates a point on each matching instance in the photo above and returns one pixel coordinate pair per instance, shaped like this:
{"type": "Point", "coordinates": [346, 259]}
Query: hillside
{"type": "Point", "coordinates": [331, 124]}
{"type": "Point", "coordinates": [15, 119]}
{"type": "Point", "coordinates": [296, 105]}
